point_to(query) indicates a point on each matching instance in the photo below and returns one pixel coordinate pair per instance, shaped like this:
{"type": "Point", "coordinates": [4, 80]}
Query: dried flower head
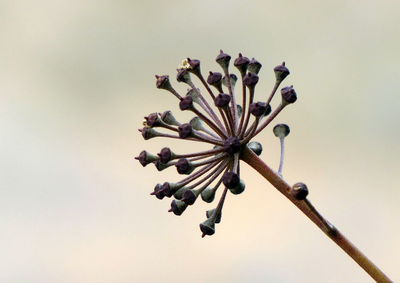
{"type": "Point", "coordinates": [221, 122]}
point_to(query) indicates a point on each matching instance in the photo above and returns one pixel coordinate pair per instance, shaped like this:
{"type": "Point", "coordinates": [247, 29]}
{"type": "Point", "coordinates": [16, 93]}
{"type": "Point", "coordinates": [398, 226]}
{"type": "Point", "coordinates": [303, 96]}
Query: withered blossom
{"type": "Point", "coordinates": [221, 121]}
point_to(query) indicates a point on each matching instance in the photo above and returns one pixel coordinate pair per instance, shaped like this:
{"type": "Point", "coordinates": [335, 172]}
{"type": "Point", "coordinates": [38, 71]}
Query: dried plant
{"type": "Point", "coordinates": [229, 128]}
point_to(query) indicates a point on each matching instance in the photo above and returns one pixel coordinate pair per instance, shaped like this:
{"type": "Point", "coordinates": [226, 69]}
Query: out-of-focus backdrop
{"type": "Point", "coordinates": [76, 79]}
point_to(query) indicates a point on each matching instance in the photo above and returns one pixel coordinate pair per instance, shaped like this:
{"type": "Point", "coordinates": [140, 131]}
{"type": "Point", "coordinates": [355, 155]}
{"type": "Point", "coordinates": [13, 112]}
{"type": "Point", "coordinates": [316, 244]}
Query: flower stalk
{"type": "Point", "coordinates": [231, 133]}
{"type": "Point", "coordinates": [310, 211]}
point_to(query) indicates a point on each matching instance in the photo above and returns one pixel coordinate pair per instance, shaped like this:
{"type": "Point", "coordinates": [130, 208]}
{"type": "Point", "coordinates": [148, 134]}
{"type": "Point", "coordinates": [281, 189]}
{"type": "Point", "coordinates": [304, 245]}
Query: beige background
{"type": "Point", "coordinates": [76, 79]}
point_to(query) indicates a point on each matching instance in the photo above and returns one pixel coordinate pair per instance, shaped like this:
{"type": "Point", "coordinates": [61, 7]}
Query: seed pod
{"type": "Point", "coordinates": [184, 166]}
{"type": "Point", "coordinates": [281, 72]}
{"type": "Point", "coordinates": [153, 120]}
{"type": "Point", "coordinates": [222, 100]}
{"type": "Point", "coordinates": [160, 166]}
{"type": "Point", "coordinates": [186, 103]}
{"type": "Point", "coordinates": [177, 207]}
{"type": "Point", "coordinates": [238, 189]}
{"type": "Point", "coordinates": [288, 95]}
{"type": "Point", "coordinates": [170, 189]}
{"type": "Point", "coordinates": [256, 147]}
{"type": "Point", "coordinates": [299, 191]}
{"type": "Point", "coordinates": [185, 131]}
{"type": "Point", "coordinates": [148, 133]}
{"type": "Point", "coordinates": [162, 82]}
{"type": "Point", "coordinates": [158, 192]}
{"type": "Point", "coordinates": [208, 227]}
{"type": "Point", "coordinates": [166, 155]}
{"type": "Point", "coordinates": [223, 60]}
{"type": "Point", "coordinates": [146, 158]}
{"type": "Point", "coordinates": [169, 119]}
{"type": "Point", "coordinates": [215, 79]}
{"type": "Point", "coordinates": [197, 124]}
{"type": "Point", "coordinates": [183, 76]}
{"type": "Point", "coordinates": [190, 196]}
{"type": "Point", "coordinates": [230, 179]}
{"type": "Point", "coordinates": [210, 213]}
{"type": "Point", "coordinates": [241, 63]}
{"type": "Point", "coordinates": [194, 66]}
{"type": "Point", "coordinates": [254, 66]}
{"type": "Point", "coordinates": [208, 194]}
{"type": "Point", "coordinates": [233, 78]}
{"type": "Point", "coordinates": [281, 130]}
{"type": "Point", "coordinates": [258, 109]}
{"type": "Point", "coordinates": [179, 193]}
{"type": "Point", "coordinates": [250, 80]}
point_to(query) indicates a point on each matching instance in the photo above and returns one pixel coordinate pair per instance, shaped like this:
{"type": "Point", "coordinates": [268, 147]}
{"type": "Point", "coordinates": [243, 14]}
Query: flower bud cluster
{"type": "Point", "coordinates": [221, 122]}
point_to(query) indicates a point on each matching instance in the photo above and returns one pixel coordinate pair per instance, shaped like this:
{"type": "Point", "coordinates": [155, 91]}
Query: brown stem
{"type": "Point", "coordinates": [207, 106]}
{"type": "Point", "coordinates": [244, 100]}
{"type": "Point", "coordinates": [251, 98]}
{"type": "Point", "coordinates": [309, 210]}
{"type": "Point", "coordinates": [203, 81]}
{"type": "Point", "coordinates": [233, 101]}
{"type": "Point", "coordinates": [209, 123]}
{"type": "Point", "coordinates": [277, 83]}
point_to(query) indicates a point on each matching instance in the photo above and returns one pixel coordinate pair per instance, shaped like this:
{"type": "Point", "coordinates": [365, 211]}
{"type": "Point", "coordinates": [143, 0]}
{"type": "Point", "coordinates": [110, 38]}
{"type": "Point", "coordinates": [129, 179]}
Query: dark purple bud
{"type": "Point", "coordinates": [186, 103]}
{"type": "Point", "coordinates": [258, 109]}
{"type": "Point", "coordinates": [215, 79]}
{"type": "Point", "coordinates": [183, 75]}
{"type": "Point", "coordinates": [189, 197]}
{"type": "Point", "coordinates": [299, 191]}
{"type": "Point", "coordinates": [184, 166]}
{"type": "Point", "coordinates": [250, 80]}
{"type": "Point", "coordinates": [281, 72]}
{"type": "Point", "coordinates": [162, 82]}
{"type": "Point", "coordinates": [194, 66]}
{"type": "Point", "coordinates": [256, 147]}
{"type": "Point", "coordinates": [165, 155]}
{"type": "Point", "coordinates": [222, 100]}
{"type": "Point", "coordinates": [241, 63]}
{"type": "Point", "coordinates": [230, 179]}
{"type": "Point", "coordinates": [254, 66]}
{"type": "Point", "coordinates": [288, 95]}
{"type": "Point", "coordinates": [169, 189]}
{"type": "Point", "coordinates": [146, 158]}
{"type": "Point", "coordinates": [177, 207]}
{"type": "Point", "coordinates": [232, 145]}
{"type": "Point", "coordinates": [158, 192]}
{"type": "Point", "coordinates": [153, 120]}
{"type": "Point", "coordinates": [185, 130]}
{"type": "Point", "coordinates": [208, 227]}
{"type": "Point", "coordinates": [281, 130]}
{"type": "Point", "coordinates": [223, 60]}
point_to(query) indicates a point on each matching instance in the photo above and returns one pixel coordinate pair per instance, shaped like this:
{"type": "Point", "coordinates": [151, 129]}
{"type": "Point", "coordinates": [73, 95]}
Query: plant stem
{"type": "Point", "coordinates": [309, 210]}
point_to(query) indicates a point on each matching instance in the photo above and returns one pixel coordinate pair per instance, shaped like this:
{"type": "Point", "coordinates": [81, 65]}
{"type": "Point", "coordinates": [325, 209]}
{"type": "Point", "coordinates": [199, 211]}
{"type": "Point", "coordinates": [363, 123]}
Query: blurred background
{"type": "Point", "coordinates": [76, 79]}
